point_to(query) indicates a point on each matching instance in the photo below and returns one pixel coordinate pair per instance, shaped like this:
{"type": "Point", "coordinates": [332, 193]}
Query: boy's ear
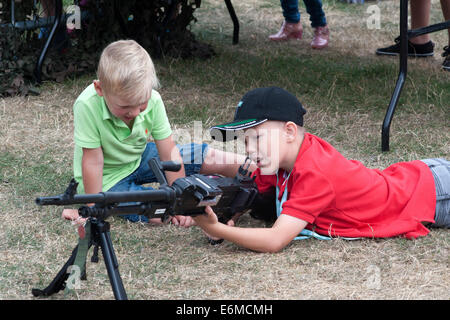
{"type": "Point", "coordinates": [98, 88]}
{"type": "Point", "coordinates": [290, 129]}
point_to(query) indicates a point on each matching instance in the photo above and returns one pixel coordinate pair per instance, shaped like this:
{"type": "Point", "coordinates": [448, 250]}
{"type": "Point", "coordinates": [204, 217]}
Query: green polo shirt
{"type": "Point", "coordinates": [95, 126]}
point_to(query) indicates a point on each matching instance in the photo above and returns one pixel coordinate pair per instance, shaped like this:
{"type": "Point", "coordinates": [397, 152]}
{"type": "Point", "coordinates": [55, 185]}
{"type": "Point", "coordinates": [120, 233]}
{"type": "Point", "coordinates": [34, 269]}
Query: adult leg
{"type": "Point", "coordinates": [420, 46]}
{"type": "Point", "coordinates": [290, 11]}
{"type": "Point", "coordinates": [316, 13]}
{"type": "Point", "coordinates": [445, 5]}
{"type": "Point", "coordinates": [318, 22]}
{"type": "Point", "coordinates": [420, 17]}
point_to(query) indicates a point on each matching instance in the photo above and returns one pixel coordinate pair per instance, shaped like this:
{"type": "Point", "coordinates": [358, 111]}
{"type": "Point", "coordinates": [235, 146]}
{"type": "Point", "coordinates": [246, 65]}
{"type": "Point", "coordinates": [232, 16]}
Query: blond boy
{"type": "Point", "coordinates": [113, 119]}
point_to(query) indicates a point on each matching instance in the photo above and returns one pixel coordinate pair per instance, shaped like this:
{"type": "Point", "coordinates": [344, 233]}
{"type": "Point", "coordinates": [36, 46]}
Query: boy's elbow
{"type": "Point", "coordinates": [274, 246]}
{"type": "Point", "coordinates": [276, 241]}
{"type": "Point", "coordinates": [272, 250]}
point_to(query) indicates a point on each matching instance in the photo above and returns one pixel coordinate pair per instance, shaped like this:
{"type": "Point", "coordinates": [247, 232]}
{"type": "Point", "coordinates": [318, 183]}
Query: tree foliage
{"type": "Point", "coordinates": [162, 29]}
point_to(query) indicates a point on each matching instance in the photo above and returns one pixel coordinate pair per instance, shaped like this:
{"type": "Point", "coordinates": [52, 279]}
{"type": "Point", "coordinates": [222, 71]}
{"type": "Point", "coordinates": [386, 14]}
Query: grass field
{"type": "Point", "coordinates": [345, 88]}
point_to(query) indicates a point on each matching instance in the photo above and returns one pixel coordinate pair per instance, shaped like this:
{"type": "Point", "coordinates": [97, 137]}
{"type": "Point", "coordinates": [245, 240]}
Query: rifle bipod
{"type": "Point", "coordinates": [99, 237]}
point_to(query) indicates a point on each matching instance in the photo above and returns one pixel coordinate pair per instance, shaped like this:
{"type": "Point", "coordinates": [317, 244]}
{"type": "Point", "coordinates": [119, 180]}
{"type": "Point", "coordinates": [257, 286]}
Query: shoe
{"type": "Point", "coordinates": [414, 50]}
{"type": "Point", "coordinates": [288, 31]}
{"type": "Point", "coordinates": [321, 37]}
{"type": "Point", "coordinates": [446, 54]}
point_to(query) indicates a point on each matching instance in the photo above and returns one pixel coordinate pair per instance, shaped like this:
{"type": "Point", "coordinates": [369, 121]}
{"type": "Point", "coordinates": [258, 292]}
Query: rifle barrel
{"type": "Point", "coordinates": [110, 197]}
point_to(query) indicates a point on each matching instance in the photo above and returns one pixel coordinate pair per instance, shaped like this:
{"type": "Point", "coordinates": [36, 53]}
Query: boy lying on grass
{"type": "Point", "coordinates": [320, 193]}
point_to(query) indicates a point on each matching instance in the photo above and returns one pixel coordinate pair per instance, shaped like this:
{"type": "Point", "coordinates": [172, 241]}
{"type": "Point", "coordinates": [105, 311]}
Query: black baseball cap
{"type": "Point", "coordinates": [260, 105]}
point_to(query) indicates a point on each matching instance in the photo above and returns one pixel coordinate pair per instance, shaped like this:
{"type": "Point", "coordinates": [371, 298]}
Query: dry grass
{"type": "Point", "coordinates": [345, 89]}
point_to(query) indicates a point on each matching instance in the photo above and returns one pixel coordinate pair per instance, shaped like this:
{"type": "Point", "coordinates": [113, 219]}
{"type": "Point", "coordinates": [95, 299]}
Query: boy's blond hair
{"type": "Point", "coordinates": [125, 69]}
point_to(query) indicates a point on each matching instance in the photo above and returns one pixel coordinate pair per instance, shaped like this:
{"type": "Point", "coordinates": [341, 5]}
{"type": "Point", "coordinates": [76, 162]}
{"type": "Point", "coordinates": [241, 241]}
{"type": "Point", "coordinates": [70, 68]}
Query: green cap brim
{"type": "Point", "coordinates": [224, 132]}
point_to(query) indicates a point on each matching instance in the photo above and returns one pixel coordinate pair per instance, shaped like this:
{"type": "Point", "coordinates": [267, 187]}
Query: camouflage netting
{"type": "Point", "coordinates": [161, 32]}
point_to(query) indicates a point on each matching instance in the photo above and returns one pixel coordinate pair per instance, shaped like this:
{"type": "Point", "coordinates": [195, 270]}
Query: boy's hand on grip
{"type": "Point", "coordinates": [183, 221]}
{"type": "Point", "coordinates": [208, 219]}
{"type": "Point", "coordinates": [79, 222]}
{"type": "Point", "coordinates": [207, 222]}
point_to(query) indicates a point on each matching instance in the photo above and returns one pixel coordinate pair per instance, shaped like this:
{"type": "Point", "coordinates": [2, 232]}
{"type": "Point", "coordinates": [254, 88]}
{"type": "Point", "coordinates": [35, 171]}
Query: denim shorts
{"type": "Point", "coordinates": [192, 155]}
{"type": "Point", "coordinates": [440, 168]}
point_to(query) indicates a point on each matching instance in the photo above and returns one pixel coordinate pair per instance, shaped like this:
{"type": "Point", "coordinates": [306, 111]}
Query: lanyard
{"type": "Point", "coordinates": [305, 233]}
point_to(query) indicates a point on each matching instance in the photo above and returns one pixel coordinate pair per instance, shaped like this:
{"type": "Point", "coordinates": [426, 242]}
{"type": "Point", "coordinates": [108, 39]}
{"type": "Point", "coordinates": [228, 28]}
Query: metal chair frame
{"type": "Point", "coordinates": [405, 34]}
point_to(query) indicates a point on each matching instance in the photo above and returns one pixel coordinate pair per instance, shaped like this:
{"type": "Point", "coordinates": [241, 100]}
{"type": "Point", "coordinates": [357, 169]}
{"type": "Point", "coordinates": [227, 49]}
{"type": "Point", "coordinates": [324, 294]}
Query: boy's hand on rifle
{"type": "Point", "coordinates": [209, 221]}
{"type": "Point", "coordinates": [183, 221]}
{"type": "Point", "coordinates": [72, 215]}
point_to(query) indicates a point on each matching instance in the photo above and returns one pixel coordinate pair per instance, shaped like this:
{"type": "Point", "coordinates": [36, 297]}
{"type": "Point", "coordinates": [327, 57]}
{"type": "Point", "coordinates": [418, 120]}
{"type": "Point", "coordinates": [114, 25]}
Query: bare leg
{"type": "Point", "coordinates": [445, 5]}
{"type": "Point", "coordinates": [420, 17]}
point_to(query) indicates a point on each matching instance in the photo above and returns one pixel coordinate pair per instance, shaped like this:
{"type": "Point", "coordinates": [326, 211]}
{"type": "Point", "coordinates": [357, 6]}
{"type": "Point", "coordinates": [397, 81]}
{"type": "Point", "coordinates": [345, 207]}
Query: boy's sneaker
{"type": "Point", "coordinates": [414, 50]}
{"type": "Point", "coordinates": [446, 54]}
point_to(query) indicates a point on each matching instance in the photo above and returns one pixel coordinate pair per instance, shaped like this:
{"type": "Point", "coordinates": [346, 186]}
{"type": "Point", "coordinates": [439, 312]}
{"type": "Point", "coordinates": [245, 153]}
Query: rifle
{"type": "Point", "coordinates": [186, 196]}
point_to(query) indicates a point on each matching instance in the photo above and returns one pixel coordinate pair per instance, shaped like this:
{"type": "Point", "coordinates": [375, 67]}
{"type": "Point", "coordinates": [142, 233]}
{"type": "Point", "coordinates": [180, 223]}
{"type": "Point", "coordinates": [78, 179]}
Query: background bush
{"type": "Point", "coordinates": [151, 23]}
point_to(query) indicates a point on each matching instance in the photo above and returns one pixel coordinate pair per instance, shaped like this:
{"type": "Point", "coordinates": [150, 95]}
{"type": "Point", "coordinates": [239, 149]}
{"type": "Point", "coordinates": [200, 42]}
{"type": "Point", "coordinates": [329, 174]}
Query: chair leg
{"type": "Point", "coordinates": [235, 21]}
{"type": "Point", "coordinates": [43, 54]}
{"type": "Point", "coordinates": [401, 76]}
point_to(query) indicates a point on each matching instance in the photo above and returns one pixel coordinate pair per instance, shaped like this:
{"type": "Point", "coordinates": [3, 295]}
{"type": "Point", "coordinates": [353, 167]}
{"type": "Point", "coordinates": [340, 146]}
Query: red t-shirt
{"type": "Point", "coordinates": [340, 197]}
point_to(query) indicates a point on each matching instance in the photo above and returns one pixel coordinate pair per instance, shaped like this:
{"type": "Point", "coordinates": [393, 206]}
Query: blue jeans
{"type": "Point", "coordinates": [192, 155]}
{"type": "Point", "coordinates": [440, 168]}
{"type": "Point", "coordinates": [313, 7]}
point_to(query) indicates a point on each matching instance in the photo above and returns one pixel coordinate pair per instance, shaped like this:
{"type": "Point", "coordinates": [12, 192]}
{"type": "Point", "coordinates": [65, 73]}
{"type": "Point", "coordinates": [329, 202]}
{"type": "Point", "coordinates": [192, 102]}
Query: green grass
{"type": "Point", "coordinates": [345, 89]}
